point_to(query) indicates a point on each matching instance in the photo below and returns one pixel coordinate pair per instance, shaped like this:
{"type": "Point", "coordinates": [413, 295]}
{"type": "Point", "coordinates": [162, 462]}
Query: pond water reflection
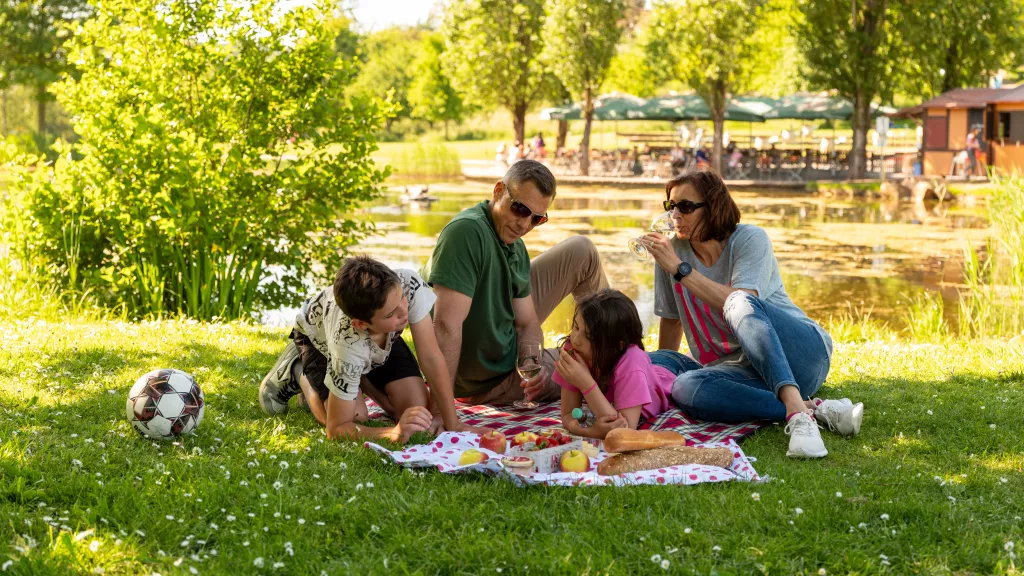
{"type": "Point", "coordinates": [837, 256]}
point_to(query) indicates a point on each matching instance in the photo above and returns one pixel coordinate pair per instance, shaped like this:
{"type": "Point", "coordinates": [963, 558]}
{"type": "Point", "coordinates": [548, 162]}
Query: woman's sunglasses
{"type": "Point", "coordinates": [523, 211]}
{"type": "Point", "coordinates": [684, 207]}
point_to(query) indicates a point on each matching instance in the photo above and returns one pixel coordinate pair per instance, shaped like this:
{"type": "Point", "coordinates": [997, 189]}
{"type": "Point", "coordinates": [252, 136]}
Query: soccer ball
{"type": "Point", "coordinates": [165, 404]}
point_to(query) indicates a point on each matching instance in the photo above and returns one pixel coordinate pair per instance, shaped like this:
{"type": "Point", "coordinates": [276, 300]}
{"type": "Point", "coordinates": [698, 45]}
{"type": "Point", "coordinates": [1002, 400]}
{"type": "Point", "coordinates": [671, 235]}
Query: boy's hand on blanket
{"type": "Point", "coordinates": [575, 372]}
{"type": "Point", "coordinates": [605, 424]}
{"type": "Point", "coordinates": [413, 420]}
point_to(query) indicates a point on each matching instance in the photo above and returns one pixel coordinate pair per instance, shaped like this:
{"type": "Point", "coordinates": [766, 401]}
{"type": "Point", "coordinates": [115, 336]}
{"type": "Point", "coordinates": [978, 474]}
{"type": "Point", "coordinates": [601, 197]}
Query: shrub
{"type": "Point", "coordinates": [216, 163]}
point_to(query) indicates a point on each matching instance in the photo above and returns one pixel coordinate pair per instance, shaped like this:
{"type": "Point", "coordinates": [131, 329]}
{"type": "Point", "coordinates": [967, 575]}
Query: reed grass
{"type": "Point", "coordinates": [992, 300]}
{"type": "Point", "coordinates": [425, 162]}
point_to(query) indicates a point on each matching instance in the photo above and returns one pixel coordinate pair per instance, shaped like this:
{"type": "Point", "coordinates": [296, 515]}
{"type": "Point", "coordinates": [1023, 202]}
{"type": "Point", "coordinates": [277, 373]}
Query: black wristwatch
{"type": "Point", "coordinates": [683, 271]}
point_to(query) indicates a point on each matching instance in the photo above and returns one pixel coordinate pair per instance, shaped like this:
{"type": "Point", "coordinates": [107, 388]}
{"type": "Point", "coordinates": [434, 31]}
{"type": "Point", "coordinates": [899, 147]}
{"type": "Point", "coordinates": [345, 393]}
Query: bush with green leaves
{"type": "Point", "coordinates": [217, 158]}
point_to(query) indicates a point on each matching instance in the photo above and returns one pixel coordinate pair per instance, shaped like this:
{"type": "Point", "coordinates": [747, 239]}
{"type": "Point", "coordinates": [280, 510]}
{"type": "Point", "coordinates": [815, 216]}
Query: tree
{"type": "Point", "coordinates": [557, 94]}
{"type": "Point", "coordinates": [185, 193]}
{"type": "Point", "coordinates": [858, 52]}
{"type": "Point", "coordinates": [35, 32]}
{"type": "Point", "coordinates": [431, 95]}
{"type": "Point", "coordinates": [961, 44]}
{"type": "Point", "coordinates": [492, 53]}
{"type": "Point", "coordinates": [717, 47]}
{"type": "Point", "coordinates": [582, 37]}
{"type": "Point", "coordinates": [387, 73]}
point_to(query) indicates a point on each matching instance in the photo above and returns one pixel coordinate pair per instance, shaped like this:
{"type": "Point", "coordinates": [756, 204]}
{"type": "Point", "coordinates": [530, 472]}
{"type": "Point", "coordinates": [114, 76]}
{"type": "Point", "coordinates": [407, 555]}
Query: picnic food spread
{"type": "Point", "coordinates": [624, 440]}
{"type": "Point", "coordinates": [654, 458]}
{"type": "Point", "coordinates": [637, 450]}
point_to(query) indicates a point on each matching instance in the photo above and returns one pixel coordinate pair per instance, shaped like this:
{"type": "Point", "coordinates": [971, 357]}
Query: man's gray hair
{"type": "Point", "coordinates": [531, 171]}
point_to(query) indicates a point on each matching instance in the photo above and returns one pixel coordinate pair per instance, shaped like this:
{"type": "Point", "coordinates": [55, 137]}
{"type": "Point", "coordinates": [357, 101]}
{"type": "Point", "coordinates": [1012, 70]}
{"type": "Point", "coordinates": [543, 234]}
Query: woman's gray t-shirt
{"type": "Point", "coordinates": [747, 262]}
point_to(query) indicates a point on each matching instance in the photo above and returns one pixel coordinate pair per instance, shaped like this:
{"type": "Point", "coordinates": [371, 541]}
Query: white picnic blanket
{"type": "Point", "coordinates": [443, 454]}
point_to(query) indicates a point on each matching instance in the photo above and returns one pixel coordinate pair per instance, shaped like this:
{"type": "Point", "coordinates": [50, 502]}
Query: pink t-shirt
{"type": "Point", "coordinates": [636, 382]}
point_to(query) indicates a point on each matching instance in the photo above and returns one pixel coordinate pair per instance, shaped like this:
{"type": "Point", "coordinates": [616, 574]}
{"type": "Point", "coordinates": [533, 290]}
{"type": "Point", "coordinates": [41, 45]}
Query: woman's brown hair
{"type": "Point", "coordinates": [721, 215]}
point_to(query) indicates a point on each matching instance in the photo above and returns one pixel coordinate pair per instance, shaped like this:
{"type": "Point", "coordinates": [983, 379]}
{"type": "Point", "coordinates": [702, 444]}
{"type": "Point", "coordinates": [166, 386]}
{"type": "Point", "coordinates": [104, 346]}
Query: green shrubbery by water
{"type": "Point", "coordinates": [992, 303]}
{"type": "Point", "coordinates": [186, 193]}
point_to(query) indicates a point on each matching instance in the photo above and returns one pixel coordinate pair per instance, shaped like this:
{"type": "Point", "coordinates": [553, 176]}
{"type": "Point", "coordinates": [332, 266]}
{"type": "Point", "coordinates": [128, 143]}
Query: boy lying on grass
{"type": "Point", "coordinates": [348, 341]}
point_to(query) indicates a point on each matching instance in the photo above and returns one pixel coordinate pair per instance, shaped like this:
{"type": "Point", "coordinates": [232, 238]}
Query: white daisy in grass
{"type": "Point", "coordinates": [884, 516]}
{"type": "Point", "coordinates": [257, 562]}
{"type": "Point", "coordinates": [798, 511]}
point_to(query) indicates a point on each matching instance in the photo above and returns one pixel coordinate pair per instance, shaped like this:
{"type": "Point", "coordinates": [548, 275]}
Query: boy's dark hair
{"type": "Point", "coordinates": [612, 325]}
{"type": "Point", "coordinates": [362, 285]}
{"type": "Point", "coordinates": [721, 215]}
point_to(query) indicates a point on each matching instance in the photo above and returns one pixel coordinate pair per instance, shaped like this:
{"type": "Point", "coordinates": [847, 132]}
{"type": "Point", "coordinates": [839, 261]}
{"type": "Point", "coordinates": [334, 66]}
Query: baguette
{"type": "Point", "coordinates": [663, 457]}
{"type": "Point", "coordinates": [626, 440]}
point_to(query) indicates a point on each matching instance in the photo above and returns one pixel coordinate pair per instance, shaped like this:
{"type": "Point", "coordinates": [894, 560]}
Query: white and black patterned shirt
{"type": "Point", "coordinates": [351, 353]}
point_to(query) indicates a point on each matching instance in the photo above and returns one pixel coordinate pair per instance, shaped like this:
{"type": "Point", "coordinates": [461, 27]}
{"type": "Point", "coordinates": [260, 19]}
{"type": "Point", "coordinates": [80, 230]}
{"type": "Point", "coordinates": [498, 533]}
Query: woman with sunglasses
{"type": "Point", "coordinates": [756, 355]}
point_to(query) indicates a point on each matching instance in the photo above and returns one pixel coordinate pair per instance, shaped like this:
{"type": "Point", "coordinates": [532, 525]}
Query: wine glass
{"type": "Point", "coordinates": [528, 365]}
{"type": "Point", "coordinates": [663, 225]}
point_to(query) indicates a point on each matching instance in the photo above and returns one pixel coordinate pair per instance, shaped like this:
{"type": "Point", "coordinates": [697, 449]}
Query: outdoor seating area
{"type": "Point", "coordinates": [801, 153]}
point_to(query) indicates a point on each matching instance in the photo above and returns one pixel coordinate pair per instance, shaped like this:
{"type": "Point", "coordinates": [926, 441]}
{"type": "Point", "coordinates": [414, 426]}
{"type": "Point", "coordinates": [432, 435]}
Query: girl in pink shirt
{"type": "Point", "coordinates": [603, 362]}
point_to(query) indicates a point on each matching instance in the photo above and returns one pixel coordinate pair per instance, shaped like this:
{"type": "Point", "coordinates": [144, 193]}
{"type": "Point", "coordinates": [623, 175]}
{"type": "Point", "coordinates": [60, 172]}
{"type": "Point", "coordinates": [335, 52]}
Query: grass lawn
{"type": "Point", "coordinates": [932, 485]}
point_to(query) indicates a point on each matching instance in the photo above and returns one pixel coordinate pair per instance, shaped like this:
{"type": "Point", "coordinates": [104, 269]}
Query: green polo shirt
{"type": "Point", "coordinates": [471, 259]}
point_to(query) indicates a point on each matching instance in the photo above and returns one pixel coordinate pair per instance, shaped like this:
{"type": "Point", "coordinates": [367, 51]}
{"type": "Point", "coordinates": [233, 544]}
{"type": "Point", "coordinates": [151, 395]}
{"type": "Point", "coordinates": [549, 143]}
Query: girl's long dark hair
{"type": "Point", "coordinates": [612, 325]}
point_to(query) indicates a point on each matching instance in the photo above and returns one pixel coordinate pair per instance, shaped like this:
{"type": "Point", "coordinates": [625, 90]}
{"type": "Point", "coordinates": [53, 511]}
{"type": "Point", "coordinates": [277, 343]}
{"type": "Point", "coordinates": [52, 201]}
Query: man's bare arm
{"type": "Point", "coordinates": [450, 310]}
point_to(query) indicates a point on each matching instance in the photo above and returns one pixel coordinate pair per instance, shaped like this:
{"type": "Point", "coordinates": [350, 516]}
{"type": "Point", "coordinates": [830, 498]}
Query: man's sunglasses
{"type": "Point", "coordinates": [523, 211]}
{"type": "Point", "coordinates": [684, 207]}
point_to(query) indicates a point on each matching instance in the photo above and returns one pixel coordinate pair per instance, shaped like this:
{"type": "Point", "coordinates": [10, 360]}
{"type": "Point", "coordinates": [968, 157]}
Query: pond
{"type": "Point", "coordinates": [836, 255]}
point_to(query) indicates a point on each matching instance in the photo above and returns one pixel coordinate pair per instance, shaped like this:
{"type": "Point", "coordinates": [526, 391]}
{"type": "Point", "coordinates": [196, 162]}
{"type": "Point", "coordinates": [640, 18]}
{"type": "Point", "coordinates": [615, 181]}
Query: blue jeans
{"type": "Point", "coordinates": [783, 350]}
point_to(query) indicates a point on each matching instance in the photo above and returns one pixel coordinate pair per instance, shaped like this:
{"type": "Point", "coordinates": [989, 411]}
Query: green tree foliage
{"type": "Point", "coordinates": [492, 53]}
{"type": "Point", "coordinates": [717, 47]}
{"type": "Point", "coordinates": [187, 192]}
{"type": "Point", "coordinates": [387, 72]}
{"type": "Point", "coordinates": [431, 95]}
{"type": "Point", "coordinates": [582, 37]}
{"type": "Point", "coordinates": [858, 51]}
{"type": "Point", "coordinates": [961, 44]}
{"type": "Point", "coordinates": [34, 33]}
{"type": "Point", "coordinates": [630, 73]}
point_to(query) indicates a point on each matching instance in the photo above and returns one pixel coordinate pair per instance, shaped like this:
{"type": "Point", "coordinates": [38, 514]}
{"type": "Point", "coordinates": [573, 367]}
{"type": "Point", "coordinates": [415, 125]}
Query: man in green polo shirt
{"type": "Point", "coordinates": [490, 296]}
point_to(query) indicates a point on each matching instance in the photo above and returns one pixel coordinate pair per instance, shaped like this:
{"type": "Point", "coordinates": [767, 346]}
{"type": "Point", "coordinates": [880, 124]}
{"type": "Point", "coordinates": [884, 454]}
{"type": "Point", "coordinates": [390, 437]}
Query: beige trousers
{"type": "Point", "coordinates": [572, 266]}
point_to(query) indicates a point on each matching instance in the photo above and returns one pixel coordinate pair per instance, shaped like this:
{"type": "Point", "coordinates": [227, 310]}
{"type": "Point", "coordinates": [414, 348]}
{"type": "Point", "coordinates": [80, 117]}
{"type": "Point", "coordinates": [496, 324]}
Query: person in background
{"type": "Point", "coordinates": [538, 147]}
{"type": "Point", "coordinates": [973, 148]}
{"type": "Point", "coordinates": [501, 155]}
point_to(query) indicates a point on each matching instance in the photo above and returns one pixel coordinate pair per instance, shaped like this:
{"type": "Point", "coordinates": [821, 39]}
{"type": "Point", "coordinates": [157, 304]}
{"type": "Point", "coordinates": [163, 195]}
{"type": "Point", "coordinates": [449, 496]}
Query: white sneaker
{"type": "Point", "coordinates": [278, 386]}
{"type": "Point", "coordinates": [804, 438]}
{"type": "Point", "coordinates": [841, 415]}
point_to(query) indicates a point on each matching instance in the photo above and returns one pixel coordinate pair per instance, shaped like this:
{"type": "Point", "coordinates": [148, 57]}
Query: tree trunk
{"type": "Point", "coordinates": [41, 109]}
{"type": "Point", "coordinates": [717, 106]}
{"type": "Point", "coordinates": [861, 121]}
{"type": "Point", "coordinates": [519, 121]}
{"type": "Point", "coordinates": [563, 131]}
{"type": "Point", "coordinates": [446, 129]}
{"type": "Point", "coordinates": [951, 79]}
{"type": "Point", "coordinates": [588, 120]}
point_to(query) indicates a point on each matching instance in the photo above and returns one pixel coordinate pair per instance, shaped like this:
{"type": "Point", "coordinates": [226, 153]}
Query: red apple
{"type": "Point", "coordinates": [574, 461]}
{"type": "Point", "coordinates": [472, 456]}
{"type": "Point", "coordinates": [493, 441]}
